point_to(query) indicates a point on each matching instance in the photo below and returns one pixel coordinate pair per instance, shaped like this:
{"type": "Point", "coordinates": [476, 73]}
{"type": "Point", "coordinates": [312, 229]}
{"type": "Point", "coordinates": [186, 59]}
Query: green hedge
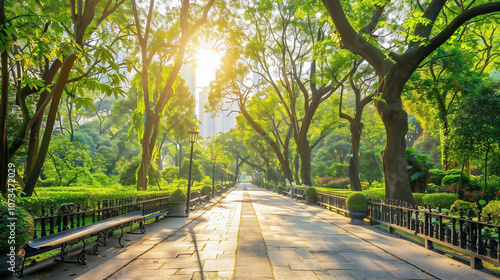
{"type": "Point", "coordinates": [443, 199]}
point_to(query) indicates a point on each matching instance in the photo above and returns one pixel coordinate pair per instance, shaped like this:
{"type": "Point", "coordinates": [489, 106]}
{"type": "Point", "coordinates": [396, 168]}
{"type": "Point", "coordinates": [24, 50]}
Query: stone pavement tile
{"type": "Point", "coordinates": [216, 265]}
{"type": "Point", "coordinates": [337, 247]}
{"type": "Point", "coordinates": [355, 256]}
{"type": "Point", "coordinates": [155, 254]}
{"type": "Point", "coordinates": [282, 258]}
{"type": "Point", "coordinates": [330, 256]}
{"type": "Point", "coordinates": [250, 271]}
{"type": "Point", "coordinates": [287, 274]}
{"type": "Point", "coordinates": [337, 275]}
{"type": "Point", "coordinates": [395, 265]}
{"type": "Point", "coordinates": [134, 272]}
{"type": "Point", "coordinates": [338, 265]}
{"type": "Point", "coordinates": [411, 275]}
{"type": "Point", "coordinates": [365, 248]}
{"type": "Point", "coordinates": [369, 264]}
{"type": "Point", "coordinates": [179, 264]}
{"type": "Point", "coordinates": [307, 264]}
{"type": "Point", "coordinates": [305, 253]}
{"type": "Point", "coordinates": [372, 274]}
{"type": "Point", "coordinates": [226, 255]}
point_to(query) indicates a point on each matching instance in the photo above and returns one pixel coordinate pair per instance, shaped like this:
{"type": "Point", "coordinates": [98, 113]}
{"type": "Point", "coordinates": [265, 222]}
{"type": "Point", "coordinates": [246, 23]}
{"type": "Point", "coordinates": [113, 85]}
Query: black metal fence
{"type": "Point", "coordinates": [71, 216]}
{"type": "Point", "coordinates": [479, 238]}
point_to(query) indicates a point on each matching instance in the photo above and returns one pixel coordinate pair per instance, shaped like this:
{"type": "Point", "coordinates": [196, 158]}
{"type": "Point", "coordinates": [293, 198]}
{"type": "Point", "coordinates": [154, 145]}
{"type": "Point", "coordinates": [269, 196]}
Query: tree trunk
{"type": "Point", "coordinates": [356, 129]}
{"type": "Point", "coordinates": [305, 162]}
{"type": "Point", "coordinates": [49, 127]}
{"type": "Point", "coordinates": [296, 168]}
{"type": "Point", "coordinates": [395, 121]}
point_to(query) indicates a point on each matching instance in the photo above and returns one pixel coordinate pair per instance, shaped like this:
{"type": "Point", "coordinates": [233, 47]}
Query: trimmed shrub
{"type": "Point", "coordinates": [206, 190]}
{"type": "Point", "coordinates": [380, 193]}
{"type": "Point", "coordinates": [279, 189]}
{"type": "Point", "coordinates": [340, 183]}
{"type": "Point", "coordinates": [357, 201]}
{"type": "Point", "coordinates": [419, 198]}
{"type": "Point", "coordinates": [452, 180]}
{"type": "Point", "coordinates": [310, 192]}
{"type": "Point", "coordinates": [436, 176]}
{"type": "Point", "coordinates": [218, 187]}
{"type": "Point", "coordinates": [455, 208]}
{"type": "Point", "coordinates": [443, 199]}
{"type": "Point", "coordinates": [493, 207]}
{"type": "Point", "coordinates": [177, 196]}
{"type": "Point", "coordinates": [24, 226]}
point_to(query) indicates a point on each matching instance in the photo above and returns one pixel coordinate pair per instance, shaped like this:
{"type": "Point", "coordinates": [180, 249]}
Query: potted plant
{"type": "Point", "coordinates": [279, 189]}
{"type": "Point", "coordinates": [311, 195]}
{"type": "Point", "coordinates": [357, 206]}
{"type": "Point", "coordinates": [207, 190]}
{"type": "Point", "coordinates": [177, 203]}
{"type": "Point", "coordinates": [14, 234]}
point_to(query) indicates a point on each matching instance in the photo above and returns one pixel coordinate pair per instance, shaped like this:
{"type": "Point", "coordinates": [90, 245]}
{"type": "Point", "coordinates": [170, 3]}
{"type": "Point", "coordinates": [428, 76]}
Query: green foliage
{"type": "Point", "coordinates": [464, 205]}
{"type": "Point", "coordinates": [419, 198]}
{"type": "Point", "coordinates": [177, 196]}
{"type": "Point", "coordinates": [101, 179]}
{"type": "Point", "coordinates": [218, 187]}
{"type": "Point", "coordinates": [443, 199]}
{"type": "Point", "coordinates": [436, 176]}
{"type": "Point", "coordinates": [196, 172]}
{"type": "Point", "coordinates": [279, 189]}
{"type": "Point", "coordinates": [310, 192]}
{"type": "Point", "coordinates": [357, 201]}
{"type": "Point", "coordinates": [452, 180]}
{"type": "Point", "coordinates": [493, 207]}
{"type": "Point", "coordinates": [206, 190]}
{"type": "Point", "coordinates": [129, 174]}
{"type": "Point", "coordinates": [24, 226]}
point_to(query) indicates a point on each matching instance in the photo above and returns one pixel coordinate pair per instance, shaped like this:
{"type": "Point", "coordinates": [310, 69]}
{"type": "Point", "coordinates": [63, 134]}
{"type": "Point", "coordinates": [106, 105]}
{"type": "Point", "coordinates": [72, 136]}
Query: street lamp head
{"type": "Point", "coordinates": [193, 136]}
{"type": "Point", "coordinates": [214, 160]}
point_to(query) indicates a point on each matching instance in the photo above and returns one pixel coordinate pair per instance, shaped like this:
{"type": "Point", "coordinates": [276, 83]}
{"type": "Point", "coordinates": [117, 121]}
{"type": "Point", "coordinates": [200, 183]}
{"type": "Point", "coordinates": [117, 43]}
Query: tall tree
{"type": "Point", "coordinates": [158, 42]}
{"type": "Point", "coordinates": [428, 27]}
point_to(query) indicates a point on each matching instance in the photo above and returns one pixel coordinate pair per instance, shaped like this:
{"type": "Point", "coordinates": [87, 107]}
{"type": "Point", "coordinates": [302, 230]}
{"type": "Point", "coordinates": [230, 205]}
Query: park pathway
{"type": "Point", "coordinates": [256, 234]}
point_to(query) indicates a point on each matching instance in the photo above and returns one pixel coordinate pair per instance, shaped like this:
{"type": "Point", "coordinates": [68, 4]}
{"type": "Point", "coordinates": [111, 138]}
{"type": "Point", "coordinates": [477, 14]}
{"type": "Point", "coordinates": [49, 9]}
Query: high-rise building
{"type": "Point", "coordinates": [212, 124]}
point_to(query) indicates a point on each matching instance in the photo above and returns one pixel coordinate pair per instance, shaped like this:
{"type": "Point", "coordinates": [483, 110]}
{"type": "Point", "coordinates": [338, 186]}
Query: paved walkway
{"type": "Point", "coordinates": [255, 234]}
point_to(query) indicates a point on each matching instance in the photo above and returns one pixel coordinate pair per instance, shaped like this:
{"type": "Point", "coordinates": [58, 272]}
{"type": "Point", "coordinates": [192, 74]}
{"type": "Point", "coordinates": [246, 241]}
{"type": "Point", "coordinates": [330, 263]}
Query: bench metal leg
{"type": "Point", "coordinates": [121, 236]}
{"type": "Point", "coordinates": [101, 241]}
{"type": "Point", "coordinates": [20, 270]}
{"type": "Point", "coordinates": [82, 259]}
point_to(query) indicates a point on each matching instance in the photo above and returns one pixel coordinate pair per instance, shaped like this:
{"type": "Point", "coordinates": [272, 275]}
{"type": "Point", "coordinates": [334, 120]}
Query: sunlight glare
{"type": "Point", "coordinates": [207, 63]}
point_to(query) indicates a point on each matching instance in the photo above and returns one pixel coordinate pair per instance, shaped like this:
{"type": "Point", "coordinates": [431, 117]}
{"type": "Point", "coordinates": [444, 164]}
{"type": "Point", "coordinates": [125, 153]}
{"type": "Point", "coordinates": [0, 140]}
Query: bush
{"type": "Point", "coordinates": [379, 193]}
{"type": "Point", "coordinates": [24, 226]}
{"type": "Point", "coordinates": [340, 183]}
{"type": "Point", "coordinates": [218, 187]}
{"type": "Point", "coordinates": [455, 208]}
{"type": "Point", "coordinates": [443, 199]}
{"type": "Point", "coordinates": [279, 189]}
{"type": "Point", "coordinates": [100, 178]}
{"type": "Point", "coordinates": [493, 207]}
{"type": "Point", "coordinates": [206, 190]}
{"type": "Point", "coordinates": [436, 176]}
{"type": "Point", "coordinates": [452, 180]}
{"type": "Point", "coordinates": [357, 201]}
{"type": "Point", "coordinates": [433, 188]}
{"type": "Point", "coordinates": [419, 198]}
{"type": "Point", "coordinates": [310, 192]}
{"type": "Point", "coordinates": [177, 196]}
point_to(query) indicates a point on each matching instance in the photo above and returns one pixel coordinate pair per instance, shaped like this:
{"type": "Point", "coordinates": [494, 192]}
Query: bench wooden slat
{"type": "Point", "coordinates": [76, 233]}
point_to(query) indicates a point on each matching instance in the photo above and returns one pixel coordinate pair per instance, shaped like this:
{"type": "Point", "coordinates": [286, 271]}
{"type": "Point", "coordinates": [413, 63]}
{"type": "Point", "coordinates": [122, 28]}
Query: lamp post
{"type": "Point", "coordinates": [193, 137]}
{"type": "Point", "coordinates": [213, 176]}
{"type": "Point", "coordinates": [222, 176]}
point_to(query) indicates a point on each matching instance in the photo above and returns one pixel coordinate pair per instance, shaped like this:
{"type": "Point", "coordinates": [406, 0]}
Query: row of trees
{"type": "Point", "coordinates": [295, 71]}
{"type": "Point", "coordinates": [303, 53]}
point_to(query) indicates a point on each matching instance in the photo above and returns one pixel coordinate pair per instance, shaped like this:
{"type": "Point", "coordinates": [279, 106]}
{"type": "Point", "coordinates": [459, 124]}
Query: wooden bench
{"type": "Point", "coordinates": [300, 194]}
{"type": "Point", "coordinates": [74, 236]}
